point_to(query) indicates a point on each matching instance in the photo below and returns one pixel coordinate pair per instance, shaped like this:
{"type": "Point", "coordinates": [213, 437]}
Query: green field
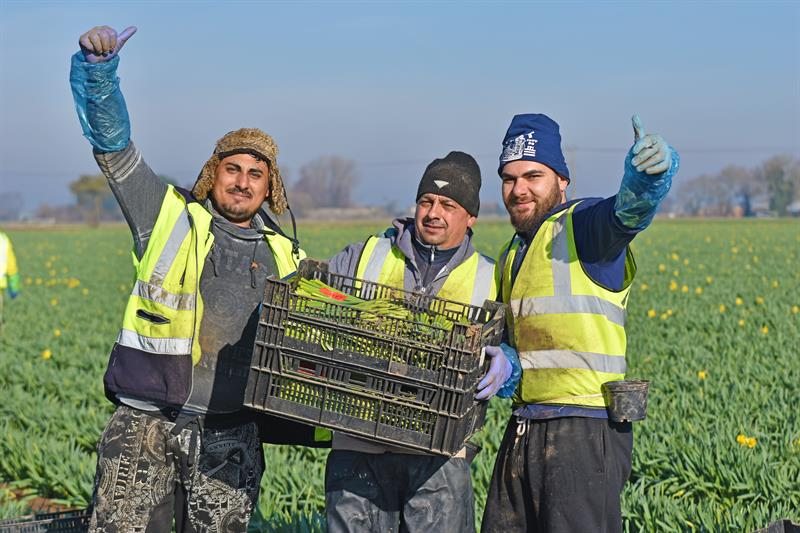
{"type": "Point", "coordinates": [714, 323]}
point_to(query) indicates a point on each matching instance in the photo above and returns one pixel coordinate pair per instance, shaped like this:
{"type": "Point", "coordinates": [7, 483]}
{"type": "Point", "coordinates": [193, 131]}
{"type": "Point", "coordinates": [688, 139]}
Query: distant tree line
{"type": "Point", "coordinates": [328, 182]}
{"type": "Point", "coordinates": [770, 188]}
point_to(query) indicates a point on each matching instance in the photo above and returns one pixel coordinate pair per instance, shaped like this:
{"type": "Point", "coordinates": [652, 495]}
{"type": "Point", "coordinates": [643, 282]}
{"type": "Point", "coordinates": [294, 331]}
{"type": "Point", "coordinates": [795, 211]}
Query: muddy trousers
{"type": "Point", "coordinates": [559, 475]}
{"type": "Point", "coordinates": [206, 479]}
{"type": "Point", "coordinates": [398, 493]}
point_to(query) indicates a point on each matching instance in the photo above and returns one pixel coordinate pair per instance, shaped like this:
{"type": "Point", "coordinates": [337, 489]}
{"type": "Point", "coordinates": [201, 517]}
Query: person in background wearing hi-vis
{"type": "Point", "coordinates": [375, 487]}
{"type": "Point", "coordinates": [9, 275]}
{"type": "Point", "coordinates": [566, 273]}
{"type": "Point", "coordinates": [179, 446]}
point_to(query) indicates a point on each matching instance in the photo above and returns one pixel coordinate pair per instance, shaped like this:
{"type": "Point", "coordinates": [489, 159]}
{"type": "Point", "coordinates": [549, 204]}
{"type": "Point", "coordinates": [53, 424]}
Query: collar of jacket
{"type": "Point", "coordinates": [405, 233]}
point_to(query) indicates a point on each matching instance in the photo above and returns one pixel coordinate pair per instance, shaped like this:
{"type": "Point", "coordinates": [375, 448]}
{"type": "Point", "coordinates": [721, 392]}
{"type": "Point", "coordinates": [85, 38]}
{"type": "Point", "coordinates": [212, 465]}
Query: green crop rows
{"type": "Point", "coordinates": [714, 323]}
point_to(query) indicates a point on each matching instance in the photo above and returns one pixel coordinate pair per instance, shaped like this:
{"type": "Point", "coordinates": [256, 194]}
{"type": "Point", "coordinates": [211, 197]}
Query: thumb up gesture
{"type": "Point", "coordinates": [102, 43]}
{"type": "Point", "coordinates": [651, 154]}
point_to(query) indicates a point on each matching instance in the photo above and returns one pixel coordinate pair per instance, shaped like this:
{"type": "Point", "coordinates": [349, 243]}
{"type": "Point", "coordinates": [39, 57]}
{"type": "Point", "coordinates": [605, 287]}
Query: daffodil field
{"type": "Point", "coordinates": [714, 323]}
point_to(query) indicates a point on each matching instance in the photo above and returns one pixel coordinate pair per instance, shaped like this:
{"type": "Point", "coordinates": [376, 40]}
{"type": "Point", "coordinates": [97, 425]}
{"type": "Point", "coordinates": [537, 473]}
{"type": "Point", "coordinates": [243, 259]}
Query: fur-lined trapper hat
{"type": "Point", "coordinates": [251, 141]}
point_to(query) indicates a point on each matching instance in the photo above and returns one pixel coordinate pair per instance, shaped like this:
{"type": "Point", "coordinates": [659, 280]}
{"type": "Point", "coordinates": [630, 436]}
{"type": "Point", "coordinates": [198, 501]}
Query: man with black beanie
{"type": "Point", "coordinates": [374, 487]}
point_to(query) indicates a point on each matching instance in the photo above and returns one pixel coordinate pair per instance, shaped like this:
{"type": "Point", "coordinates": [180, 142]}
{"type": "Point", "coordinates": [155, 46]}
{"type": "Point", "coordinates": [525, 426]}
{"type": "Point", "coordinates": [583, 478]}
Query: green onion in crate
{"type": "Point", "coordinates": [382, 315]}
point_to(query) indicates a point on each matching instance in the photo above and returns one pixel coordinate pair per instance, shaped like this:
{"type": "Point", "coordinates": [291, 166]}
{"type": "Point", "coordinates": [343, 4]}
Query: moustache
{"type": "Point", "coordinates": [238, 190]}
{"type": "Point", "coordinates": [432, 223]}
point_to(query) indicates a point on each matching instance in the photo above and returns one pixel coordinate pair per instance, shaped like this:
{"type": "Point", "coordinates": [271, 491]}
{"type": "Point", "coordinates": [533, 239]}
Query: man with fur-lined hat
{"type": "Point", "coordinates": [178, 447]}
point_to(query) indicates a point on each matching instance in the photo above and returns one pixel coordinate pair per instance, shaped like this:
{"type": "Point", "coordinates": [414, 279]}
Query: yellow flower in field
{"type": "Point", "coordinates": [673, 285]}
{"type": "Point", "coordinates": [664, 316]}
{"type": "Point", "coordinates": [709, 280]}
{"type": "Point", "coordinates": [644, 286]}
{"type": "Point", "coordinates": [702, 374]}
{"type": "Point", "coordinates": [741, 322]}
{"type": "Point", "coordinates": [662, 267]}
{"type": "Point", "coordinates": [676, 273]}
{"type": "Point", "coordinates": [708, 239]}
{"type": "Point", "coordinates": [85, 291]}
{"type": "Point", "coordinates": [759, 300]}
{"type": "Point", "coordinates": [734, 250]}
{"type": "Point", "coordinates": [722, 308]}
{"type": "Point", "coordinates": [28, 281]}
{"type": "Point", "coordinates": [52, 272]}
{"type": "Point", "coordinates": [73, 282]}
{"type": "Point", "coordinates": [751, 442]}
{"type": "Point", "coordinates": [46, 354]}
{"type": "Point", "coordinates": [739, 301]}
{"type": "Point", "coordinates": [775, 284]}
{"type": "Point", "coordinates": [38, 281]}
{"type": "Point", "coordinates": [685, 288]}
{"type": "Point", "coordinates": [651, 313]}
{"type": "Point", "coordinates": [669, 312]}
{"type": "Point", "coordinates": [755, 259]}
{"type": "Point", "coordinates": [795, 309]}
{"type": "Point", "coordinates": [675, 256]}
{"type": "Point", "coordinates": [57, 332]}
{"type": "Point", "coordinates": [685, 261]}
{"type": "Point", "coordinates": [698, 290]}
{"type": "Point", "coordinates": [54, 302]}
{"type": "Point", "coordinates": [764, 329]}
{"type": "Point", "coordinates": [741, 438]}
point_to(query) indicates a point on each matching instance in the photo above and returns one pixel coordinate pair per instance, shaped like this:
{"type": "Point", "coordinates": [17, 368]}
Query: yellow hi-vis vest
{"type": "Point", "coordinates": [383, 263]}
{"type": "Point", "coordinates": [8, 263]}
{"type": "Point", "coordinates": [568, 330]}
{"type": "Point", "coordinates": [165, 308]}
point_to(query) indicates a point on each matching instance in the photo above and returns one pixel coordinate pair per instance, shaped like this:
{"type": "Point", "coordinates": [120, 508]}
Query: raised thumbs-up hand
{"type": "Point", "coordinates": [649, 167]}
{"type": "Point", "coordinates": [102, 43]}
{"type": "Point", "coordinates": [651, 154]}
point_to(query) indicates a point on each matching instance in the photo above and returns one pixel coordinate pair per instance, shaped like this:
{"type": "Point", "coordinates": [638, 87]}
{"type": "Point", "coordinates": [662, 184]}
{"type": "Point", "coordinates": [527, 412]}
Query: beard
{"type": "Point", "coordinates": [232, 211]}
{"type": "Point", "coordinates": [527, 223]}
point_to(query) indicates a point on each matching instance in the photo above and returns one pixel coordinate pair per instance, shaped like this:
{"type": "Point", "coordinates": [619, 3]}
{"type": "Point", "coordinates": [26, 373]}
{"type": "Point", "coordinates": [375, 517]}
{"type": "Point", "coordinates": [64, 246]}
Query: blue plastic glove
{"type": "Point", "coordinates": [500, 370]}
{"type": "Point", "coordinates": [649, 167]}
{"type": "Point", "coordinates": [95, 89]}
{"type": "Point", "coordinates": [510, 386]}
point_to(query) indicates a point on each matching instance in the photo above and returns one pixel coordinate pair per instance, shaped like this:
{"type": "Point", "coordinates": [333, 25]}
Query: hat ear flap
{"type": "Point", "coordinates": [205, 181]}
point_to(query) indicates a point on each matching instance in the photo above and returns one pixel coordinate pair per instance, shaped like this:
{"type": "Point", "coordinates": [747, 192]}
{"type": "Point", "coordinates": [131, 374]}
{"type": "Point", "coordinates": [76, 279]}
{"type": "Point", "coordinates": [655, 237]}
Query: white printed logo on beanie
{"type": "Point", "coordinates": [521, 146]}
{"type": "Point", "coordinates": [441, 183]}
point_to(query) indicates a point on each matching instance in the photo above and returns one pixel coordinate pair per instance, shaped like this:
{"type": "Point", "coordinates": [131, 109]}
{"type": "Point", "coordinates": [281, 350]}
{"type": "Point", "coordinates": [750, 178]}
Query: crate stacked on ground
{"type": "Point", "coordinates": [59, 522]}
{"type": "Point", "coordinates": [371, 360]}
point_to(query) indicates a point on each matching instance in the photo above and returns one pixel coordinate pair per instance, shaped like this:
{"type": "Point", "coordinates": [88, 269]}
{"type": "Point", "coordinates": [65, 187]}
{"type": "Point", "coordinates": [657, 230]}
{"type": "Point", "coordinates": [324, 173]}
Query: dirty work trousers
{"type": "Point", "coordinates": [559, 475]}
{"type": "Point", "coordinates": [207, 479]}
{"type": "Point", "coordinates": [397, 492]}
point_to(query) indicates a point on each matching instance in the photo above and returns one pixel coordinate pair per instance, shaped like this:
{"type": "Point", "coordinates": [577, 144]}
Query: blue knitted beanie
{"type": "Point", "coordinates": [534, 137]}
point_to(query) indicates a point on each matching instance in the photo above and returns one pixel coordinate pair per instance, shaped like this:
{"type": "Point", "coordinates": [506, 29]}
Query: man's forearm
{"type": "Point", "coordinates": [99, 102]}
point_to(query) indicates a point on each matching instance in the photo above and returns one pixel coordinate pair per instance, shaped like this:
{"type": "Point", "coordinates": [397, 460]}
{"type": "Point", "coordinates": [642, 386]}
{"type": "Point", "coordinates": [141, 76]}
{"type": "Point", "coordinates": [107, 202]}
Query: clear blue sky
{"type": "Point", "coordinates": [394, 85]}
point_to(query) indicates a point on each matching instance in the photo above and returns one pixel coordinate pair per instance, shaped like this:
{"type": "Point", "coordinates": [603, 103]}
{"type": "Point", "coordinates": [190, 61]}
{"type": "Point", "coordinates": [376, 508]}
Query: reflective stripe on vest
{"type": "Point", "coordinates": [165, 308]}
{"type": "Point", "coordinates": [568, 330]}
{"type": "Point", "coordinates": [382, 263]}
{"type": "Point", "coordinates": [4, 244]}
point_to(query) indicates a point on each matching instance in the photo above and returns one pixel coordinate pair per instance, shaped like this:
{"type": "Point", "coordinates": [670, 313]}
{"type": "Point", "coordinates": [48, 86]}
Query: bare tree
{"type": "Point", "coordinates": [328, 181]}
{"type": "Point", "coordinates": [779, 174]}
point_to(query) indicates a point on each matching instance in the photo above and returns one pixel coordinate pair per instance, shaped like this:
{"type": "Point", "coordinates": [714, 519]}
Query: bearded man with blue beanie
{"type": "Point", "coordinates": [565, 274]}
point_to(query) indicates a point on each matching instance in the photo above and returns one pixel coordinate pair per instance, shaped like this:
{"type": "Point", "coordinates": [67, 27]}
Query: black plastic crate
{"type": "Point", "coordinates": [392, 380]}
{"type": "Point", "coordinates": [450, 357]}
{"type": "Point", "coordinates": [61, 522]}
{"type": "Point", "coordinates": [384, 418]}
